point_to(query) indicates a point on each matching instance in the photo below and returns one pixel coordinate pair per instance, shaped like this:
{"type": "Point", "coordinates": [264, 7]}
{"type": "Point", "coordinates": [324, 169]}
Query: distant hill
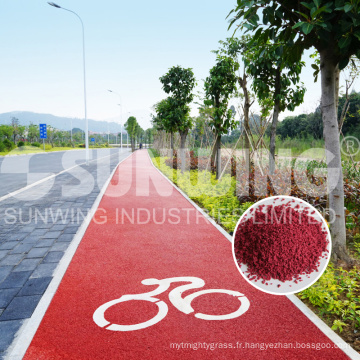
{"type": "Point", "coordinates": [61, 123]}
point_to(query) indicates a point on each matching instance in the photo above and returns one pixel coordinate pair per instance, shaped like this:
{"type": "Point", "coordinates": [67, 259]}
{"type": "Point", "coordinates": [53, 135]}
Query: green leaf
{"type": "Point", "coordinates": [272, 34]}
{"type": "Point", "coordinates": [345, 26]}
{"type": "Point", "coordinates": [343, 63]}
{"type": "Point", "coordinates": [307, 5]}
{"type": "Point", "coordinates": [315, 67]}
{"type": "Point", "coordinates": [317, 3]}
{"type": "Point", "coordinates": [265, 18]}
{"type": "Point", "coordinates": [248, 26]}
{"type": "Point", "coordinates": [302, 14]}
{"type": "Point", "coordinates": [348, 7]}
{"type": "Point", "coordinates": [298, 24]}
{"type": "Point", "coordinates": [344, 42]}
{"type": "Point", "coordinates": [306, 28]}
{"type": "Point", "coordinates": [278, 13]}
{"type": "Point", "coordinates": [357, 34]}
{"type": "Point", "coordinates": [279, 50]}
{"type": "Point", "coordinates": [258, 33]}
{"type": "Point", "coordinates": [338, 3]}
{"type": "Point", "coordinates": [323, 25]}
{"type": "Point", "coordinates": [318, 11]}
{"type": "Point", "coordinates": [253, 20]}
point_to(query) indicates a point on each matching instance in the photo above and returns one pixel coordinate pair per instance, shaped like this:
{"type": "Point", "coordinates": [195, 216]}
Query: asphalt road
{"type": "Point", "coordinates": [17, 172]}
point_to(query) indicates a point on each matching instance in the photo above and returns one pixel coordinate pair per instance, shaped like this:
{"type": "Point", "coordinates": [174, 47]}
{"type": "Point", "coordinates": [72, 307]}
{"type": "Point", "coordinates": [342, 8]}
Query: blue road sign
{"type": "Point", "coordinates": [43, 131]}
{"type": "Point", "coordinates": [93, 139]}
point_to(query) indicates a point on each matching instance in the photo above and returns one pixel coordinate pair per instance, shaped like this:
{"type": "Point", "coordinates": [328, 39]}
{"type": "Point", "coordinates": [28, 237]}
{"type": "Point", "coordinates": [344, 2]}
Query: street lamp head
{"type": "Point", "coordinates": [54, 5]}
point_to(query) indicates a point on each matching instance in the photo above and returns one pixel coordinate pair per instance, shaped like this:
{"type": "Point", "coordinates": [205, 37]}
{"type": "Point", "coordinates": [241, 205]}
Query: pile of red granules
{"type": "Point", "coordinates": [280, 242]}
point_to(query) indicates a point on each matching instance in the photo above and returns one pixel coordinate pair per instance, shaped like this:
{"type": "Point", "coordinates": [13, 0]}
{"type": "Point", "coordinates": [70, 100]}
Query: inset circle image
{"type": "Point", "coordinates": [281, 245]}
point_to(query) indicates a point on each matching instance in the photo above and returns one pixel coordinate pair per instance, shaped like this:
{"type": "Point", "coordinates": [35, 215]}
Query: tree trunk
{"type": "Point", "coordinates": [218, 157]}
{"type": "Point", "coordinates": [274, 123]}
{"type": "Point", "coordinates": [273, 138]}
{"type": "Point", "coordinates": [247, 104]}
{"type": "Point", "coordinates": [172, 141]}
{"type": "Point", "coordinates": [183, 135]}
{"type": "Point", "coordinates": [337, 88]}
{"type": "Point", "coordinates": [213, 154]}
{"type": "Point", "coordinates": [333, 156]}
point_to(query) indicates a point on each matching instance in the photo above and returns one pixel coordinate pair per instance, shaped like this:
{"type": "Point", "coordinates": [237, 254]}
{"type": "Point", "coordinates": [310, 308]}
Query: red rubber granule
{"type": "Point", "coordinates": [280, 242]}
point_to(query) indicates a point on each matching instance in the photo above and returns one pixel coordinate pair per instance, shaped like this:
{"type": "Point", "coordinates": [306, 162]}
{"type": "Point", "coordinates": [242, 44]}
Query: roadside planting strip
{"type": "Point", "coordinates": [325, 329]}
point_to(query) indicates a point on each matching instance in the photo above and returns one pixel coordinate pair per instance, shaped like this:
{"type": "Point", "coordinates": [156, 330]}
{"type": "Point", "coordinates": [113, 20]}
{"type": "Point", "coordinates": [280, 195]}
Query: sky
{"type": "Point", "coordinates": [128, 46]}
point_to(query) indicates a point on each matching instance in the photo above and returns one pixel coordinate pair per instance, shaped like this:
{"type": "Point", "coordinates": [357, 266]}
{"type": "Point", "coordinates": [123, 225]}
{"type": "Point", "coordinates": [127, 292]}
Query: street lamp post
{"type": "Point", "coordinates": [127, 136]}
{"type": "Point", "coordinates": [86, 119]}
{"type": "Point", "coordinates": [121, 127]}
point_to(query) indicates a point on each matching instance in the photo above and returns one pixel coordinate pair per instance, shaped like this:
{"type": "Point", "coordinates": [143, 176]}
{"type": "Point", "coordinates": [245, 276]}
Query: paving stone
{"type": "Point", "coordinates": [16, 236]}
{"type": "Point", "coordinates": [44, 243]}
{"type": "Point", "coordinates": [30, 239]}
{"type": "Point", "coordinates": [21, 307]}
{"type": "Point", "coordinates": [28, 228]}
{"type": "Point", "coordinates": [15, 279]}
{"type": "Point", "coordinates": [52, 235]}
{"type": "Point", "coordinates": [38, 252]}
{"type": "Point", "coordinates": [8, 329]}
{"type": "Point", "coordinates": [58, 227]}
{"type": "Point", "coordinates": [21, 249]}
{"type": "Point", "coordinates": [61, 246]}
{"type": "Point", "coordinates": [71, 230]}
{"type": "Point", "coordinates": [11, 259]}
{"type": "Point", "coordinates": [44, 225]}
{"type": "Point", "coordinates": [28, 264]}
{"type": "Point", "coordinates": [35, 286]}
{"type": "Point", "coordinates": [22, 235]}
{"type": "Point", "coordinates": [53, 257]}
{"type": "Point", "coordinates": [64, 221]}
{"type": "Point", "coordinates": [8, 245]}
{"type": "Point", "coordinates": [44, 270]}
{"type": "Point", "coordinates": [4, 272]}
{"type": "Point", "coordinates": [65, 237]}
{"type": "Point", "coordinates": [6, 295]}
{"type": "Point", "coordinates": [39, 232]}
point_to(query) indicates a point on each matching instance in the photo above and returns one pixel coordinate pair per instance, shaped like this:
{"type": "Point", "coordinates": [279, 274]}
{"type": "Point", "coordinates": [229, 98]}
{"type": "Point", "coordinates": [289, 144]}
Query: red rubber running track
{"type": "Point", "coordinates": [114, 257]}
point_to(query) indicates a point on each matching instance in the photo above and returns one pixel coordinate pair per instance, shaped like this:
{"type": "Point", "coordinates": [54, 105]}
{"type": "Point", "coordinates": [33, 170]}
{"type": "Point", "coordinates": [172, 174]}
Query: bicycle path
{"type": "Point", "coordinates": [152, 232]}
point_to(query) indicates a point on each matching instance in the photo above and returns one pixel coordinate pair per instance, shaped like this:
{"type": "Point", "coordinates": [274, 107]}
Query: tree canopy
{"type": "Point", "coordinates": [333, 29]}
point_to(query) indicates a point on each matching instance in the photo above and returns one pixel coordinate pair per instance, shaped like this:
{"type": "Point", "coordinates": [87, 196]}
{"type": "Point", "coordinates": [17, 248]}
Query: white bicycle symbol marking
{"type": "Point", "coordinates": [175, 297]}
